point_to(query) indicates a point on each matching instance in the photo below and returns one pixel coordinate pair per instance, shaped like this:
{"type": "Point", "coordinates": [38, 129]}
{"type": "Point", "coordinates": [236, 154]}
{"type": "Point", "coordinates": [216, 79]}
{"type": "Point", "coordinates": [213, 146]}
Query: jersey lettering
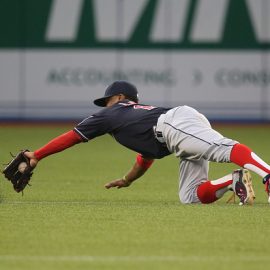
{"type": "Point", "coordinates": [144, 107]}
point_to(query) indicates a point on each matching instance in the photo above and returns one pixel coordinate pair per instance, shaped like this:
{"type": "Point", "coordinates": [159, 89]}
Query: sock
{"type": "Point", "coordinates": [244, 157]}
{"type": "Point", "coordinates": [211, 191]}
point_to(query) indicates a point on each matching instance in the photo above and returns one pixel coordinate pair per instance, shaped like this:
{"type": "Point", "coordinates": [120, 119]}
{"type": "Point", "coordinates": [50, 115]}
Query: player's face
{"type": "Point", "coordinates": [114, 99]}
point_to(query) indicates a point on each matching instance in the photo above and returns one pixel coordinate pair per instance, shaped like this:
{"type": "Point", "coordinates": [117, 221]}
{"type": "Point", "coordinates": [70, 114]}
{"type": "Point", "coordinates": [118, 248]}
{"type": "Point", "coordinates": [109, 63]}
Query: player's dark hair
{"type": "Point", "coordinates": [134, 99]}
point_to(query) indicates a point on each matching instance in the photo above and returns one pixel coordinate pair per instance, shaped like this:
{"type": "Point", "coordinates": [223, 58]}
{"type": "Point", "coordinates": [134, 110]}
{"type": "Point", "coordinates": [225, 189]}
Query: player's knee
{"type": "Point", "coordinates": [188, 197]}
{"type": "Point", "coordinates": [184, 201]}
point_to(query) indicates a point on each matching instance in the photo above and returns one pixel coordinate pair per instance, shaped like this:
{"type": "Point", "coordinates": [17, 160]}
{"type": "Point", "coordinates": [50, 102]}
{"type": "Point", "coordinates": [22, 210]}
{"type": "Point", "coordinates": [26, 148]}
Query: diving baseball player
{"type": "Point", "coordinates": [155, 132]}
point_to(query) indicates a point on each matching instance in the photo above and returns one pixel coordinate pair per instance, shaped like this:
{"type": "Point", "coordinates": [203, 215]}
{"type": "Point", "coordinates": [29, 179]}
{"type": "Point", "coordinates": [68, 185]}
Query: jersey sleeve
{"type": "Point", "coordinates": [93, 126]}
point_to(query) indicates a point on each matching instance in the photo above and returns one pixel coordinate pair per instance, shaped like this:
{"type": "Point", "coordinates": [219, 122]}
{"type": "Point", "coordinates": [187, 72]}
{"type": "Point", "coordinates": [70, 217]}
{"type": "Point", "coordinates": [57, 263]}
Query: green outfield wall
{"type": "Point", "coordinates": [58, 55]}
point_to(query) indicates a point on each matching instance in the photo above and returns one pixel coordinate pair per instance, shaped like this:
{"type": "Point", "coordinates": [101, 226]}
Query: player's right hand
{"type": "Point", "coordinates": [119, 183]}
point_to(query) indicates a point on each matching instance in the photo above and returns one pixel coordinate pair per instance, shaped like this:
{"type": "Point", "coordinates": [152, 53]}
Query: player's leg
{"type": "Point", "coordinates": [191, 175]}
{"type": "Point", "coordinates": [226, 150]}
{"type": "Point", "coordinates": [246, 158]}
{"type": "Point", "coordinates": [194, 186]}
{"type": "Point", "coordinates": [211, 191]}
{"type": "Point", "coordinates": [189, 135]}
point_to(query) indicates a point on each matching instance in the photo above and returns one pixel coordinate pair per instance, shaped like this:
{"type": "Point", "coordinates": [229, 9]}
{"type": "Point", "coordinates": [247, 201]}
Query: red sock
{"type": "Point", "coordinates": [207, 191]}
{"type": "Point", "coordinates": [244, 157]}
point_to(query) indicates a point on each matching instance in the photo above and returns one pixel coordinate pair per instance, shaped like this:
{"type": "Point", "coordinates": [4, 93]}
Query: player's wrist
{"type": "Point", "coordinates": [126, 180]}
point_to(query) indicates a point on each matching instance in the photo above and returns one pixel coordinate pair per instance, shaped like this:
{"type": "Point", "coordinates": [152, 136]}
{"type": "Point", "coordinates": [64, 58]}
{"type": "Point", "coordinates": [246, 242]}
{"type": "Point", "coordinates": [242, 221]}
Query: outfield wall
{"type": "Point", "coordinates": [58, 55]}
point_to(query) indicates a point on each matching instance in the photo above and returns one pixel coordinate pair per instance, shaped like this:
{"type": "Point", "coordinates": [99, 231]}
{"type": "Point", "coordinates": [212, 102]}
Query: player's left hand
{"type": "Point", "coordinates": [19, 171]}
{"type": "Point", "coordinates": [119, 183]}
{"type": "Point", "coordinates": [32, 159]}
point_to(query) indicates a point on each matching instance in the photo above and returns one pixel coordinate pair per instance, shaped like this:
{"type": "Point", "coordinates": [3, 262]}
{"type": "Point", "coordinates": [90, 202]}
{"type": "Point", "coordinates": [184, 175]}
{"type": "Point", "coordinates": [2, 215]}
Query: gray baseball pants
{"type": "Point", "coordinates": [189, 135]}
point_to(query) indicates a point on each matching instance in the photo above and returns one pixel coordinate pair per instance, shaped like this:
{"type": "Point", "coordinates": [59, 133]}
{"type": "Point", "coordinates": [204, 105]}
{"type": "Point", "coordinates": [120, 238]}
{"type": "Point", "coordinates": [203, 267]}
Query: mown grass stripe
{"type": "Point", "coordinates": [154, 258]}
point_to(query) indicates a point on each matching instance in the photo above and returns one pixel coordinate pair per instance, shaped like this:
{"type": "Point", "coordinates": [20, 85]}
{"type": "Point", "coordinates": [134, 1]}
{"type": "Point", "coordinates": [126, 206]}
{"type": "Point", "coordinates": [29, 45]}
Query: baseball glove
{"type": "Point", "coordinates": [19, 171]}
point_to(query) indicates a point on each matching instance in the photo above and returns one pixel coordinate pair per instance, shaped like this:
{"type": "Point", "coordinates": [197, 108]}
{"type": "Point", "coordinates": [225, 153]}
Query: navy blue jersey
{"type": "Point", "coordinates": [131, 124]}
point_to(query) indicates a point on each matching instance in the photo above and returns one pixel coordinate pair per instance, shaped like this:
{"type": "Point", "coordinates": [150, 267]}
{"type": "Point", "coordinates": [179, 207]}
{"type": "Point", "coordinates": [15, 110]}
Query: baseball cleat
{"type": "Point", "coordinates": [266, 181]}
{"type": "Point", "coordinates": [242, 186]}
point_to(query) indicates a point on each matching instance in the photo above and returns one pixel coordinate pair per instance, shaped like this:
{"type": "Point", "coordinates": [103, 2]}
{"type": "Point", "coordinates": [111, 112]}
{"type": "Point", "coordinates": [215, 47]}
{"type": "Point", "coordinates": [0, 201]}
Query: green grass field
{"type": "Point", "coordinates": [67, 220]}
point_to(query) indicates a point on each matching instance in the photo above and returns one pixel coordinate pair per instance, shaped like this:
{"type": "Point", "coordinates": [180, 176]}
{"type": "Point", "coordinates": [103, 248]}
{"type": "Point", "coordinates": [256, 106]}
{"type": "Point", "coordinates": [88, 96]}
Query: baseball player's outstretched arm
{"type": "Point", "coordinates": [139, 168]}
{"type": "Point", "coordinates": [58, 144]}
